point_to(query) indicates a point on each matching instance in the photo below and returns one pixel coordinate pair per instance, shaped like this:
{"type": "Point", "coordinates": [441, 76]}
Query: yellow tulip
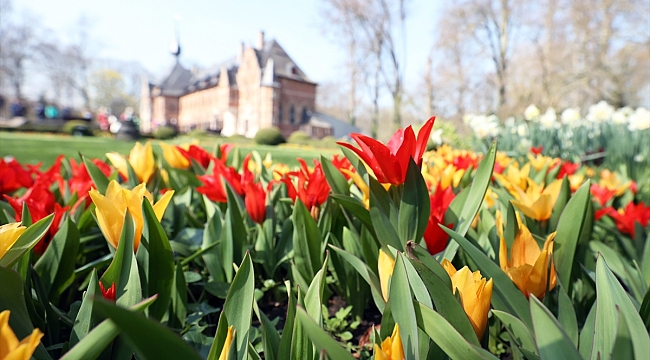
{"type": "Point", "coordinates": [610, 181]}
{"type": "Point", "coordinates": [537, 203]}
{"type": "Point", "coordinates": [268, 161]}
{"type": "Point", "coordinates": [475, 294]}
{"type": "Point", "coordinates": [358, 181]}
{"type": "Point", "coordinates": [112, 207]}
{"type": "Point", "coordinates": [539, 161]}
{"type": "Point", "coordinates": [385, 265]}
{"type": "Point", "coordinates": [140, 158]}
{"type": "Point", "coordinates": [10, 348]}
{"type": "Point", "coordinates": [174, 157]}
{"type": "Point", "coordinates": [490, 198]}
{"type": "Point", "coordinates": [9, 233]}
{"type": "Point", "coordinates": [528, 265]}
{"type": "Point", "coordinates": [514, 178]}
{"type": "Point", "coordinates": [226, 345]}
{"type": "Point", "coordinates": [391, 348]}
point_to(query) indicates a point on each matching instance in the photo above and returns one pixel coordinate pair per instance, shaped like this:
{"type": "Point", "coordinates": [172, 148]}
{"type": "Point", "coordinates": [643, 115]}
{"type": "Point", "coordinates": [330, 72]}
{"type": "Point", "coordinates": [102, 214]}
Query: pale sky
{"type": "Point", "coordinates": [210, 31]}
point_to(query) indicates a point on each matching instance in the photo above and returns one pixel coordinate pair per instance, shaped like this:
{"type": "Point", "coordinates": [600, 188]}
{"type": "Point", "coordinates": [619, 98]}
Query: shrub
{"type": "Point", "coordinates": [77, 128]}
{"type": "Point", "coordinates": [328, 142]}
{"type": "Point", "coordinates": [299, 137]}
{"type": "Point", "coordinates": [269, 136]}
{"type": "Point", "coordinates": [165, 132]}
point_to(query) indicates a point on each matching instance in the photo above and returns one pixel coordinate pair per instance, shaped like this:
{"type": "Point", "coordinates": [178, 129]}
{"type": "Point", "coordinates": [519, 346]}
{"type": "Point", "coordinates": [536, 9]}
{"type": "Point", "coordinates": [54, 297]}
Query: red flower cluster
{"type": "Point", "coordinates": [536, 150]}
{"type": "Point", "coordinates": [203, 157]}
{"type": "Point", "coordinates": [243, 184]}
{"type": "Point", "coordinates": [14, 176]}
{"type": "Point", "coordinates": [390, 162]}
{"type": "Point", "coordinates": [601, 193]}
{"type": "Point", "coordinates": [627, 217]}
{"type": "Point", "coordinates": [41, 202]}
{"type": "Point", "coordinates": [341, 162]}
{"type": "Point", "coordinates": [567, 168]}
{"type": "Point", "coordinates": [436, 238]}
{"type": "Point", "coordinates": [80, 182]}
{"type": "Point", "coordinates": [312, 188]}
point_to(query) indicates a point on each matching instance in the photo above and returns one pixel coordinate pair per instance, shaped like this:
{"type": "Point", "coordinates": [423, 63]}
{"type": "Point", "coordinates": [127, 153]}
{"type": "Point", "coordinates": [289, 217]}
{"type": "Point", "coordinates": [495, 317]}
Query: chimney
{"type": "Point", "coordinates": [260, 40]}
{"type": "Point", "coordinates": [240, 52]}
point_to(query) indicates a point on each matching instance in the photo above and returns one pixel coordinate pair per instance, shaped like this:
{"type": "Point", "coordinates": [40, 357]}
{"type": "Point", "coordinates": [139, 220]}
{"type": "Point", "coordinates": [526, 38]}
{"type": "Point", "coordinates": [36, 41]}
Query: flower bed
{"type": "Point", "coordinates": [388, 251]}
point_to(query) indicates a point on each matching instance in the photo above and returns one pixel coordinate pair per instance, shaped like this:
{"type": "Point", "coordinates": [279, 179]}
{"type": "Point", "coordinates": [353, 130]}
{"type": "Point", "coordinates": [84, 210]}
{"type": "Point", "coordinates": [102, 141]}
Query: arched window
{"type": "Point", "coordinates": [305, 116]}
{"type": "Point", "coordinates": [292, 115]}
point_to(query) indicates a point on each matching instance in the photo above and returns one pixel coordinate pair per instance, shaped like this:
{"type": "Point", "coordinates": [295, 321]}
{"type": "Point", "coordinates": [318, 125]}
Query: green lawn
{"type": "Point", "coordinates": [42, 147]}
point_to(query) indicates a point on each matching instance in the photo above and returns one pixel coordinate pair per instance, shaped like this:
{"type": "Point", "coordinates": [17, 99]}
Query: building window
{"type": "Point", "coordinates": [305, 116]}
{"type": "Point", "coordinates": [292, 115]}
{"type": "Point", "coordinates": [280, 115]}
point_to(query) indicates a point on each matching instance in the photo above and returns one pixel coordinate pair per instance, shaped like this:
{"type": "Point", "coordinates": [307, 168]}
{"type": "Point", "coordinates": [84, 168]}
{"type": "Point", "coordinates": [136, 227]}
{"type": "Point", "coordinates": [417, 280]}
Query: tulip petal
{"type": "Point", "coordinates": [160, 206]}
{"type": "Point", "coordinates": [119, 162]}
{"type": "Point", "coordinates": [423, 139]}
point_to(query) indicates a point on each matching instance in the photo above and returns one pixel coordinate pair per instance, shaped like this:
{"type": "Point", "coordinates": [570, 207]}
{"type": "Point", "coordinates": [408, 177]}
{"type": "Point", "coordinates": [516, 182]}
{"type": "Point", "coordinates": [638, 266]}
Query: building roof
{"type": "Point", "coordinates": [340, 128]}
{"type": "Point", "coordinates": [272, 60]}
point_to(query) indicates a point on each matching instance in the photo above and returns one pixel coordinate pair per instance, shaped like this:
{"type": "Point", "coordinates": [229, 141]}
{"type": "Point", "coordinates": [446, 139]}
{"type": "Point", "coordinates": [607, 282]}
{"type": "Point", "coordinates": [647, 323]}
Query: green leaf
{"type": "Point", "coordinates": [233, 242]}
{"type": "Point", "coordinates": [27, 240]}
{"type": "Point", "coordinates": [133, 180]}
{"type": "Point", "coordinates": [156, 260]}
{"type": "Point", "coordinates": [383, 226]}
{"type": "Point", "coordinates": [505, 295]}
{"type": "Point", "coordinates": [322, 340]}
{"type": "Point", "coordinates": [99, 179]}
{"type": "Point", "coordinates": [84, 321]}
{"type": "Point", "coordinates": [220, 338]}
{"type": "Point", "coordinates": [213, 257]}
{"type": "Point", "coordinates": [570, 229]}
{"type": "Point", "coordinates": [567, 315]}
{"type": "Point", "coordinates": [418, 253]}
{"type": "Point", "coordinates": [307, 242]}
{"type": "Point", "coordinates": [552, 341]}
{"type": "Point", "coordinates": [56, 266]}
{"type": "Point", "coordinates": [314, 295]}
{"type": "Point", "coordinates": [334, 177]}
{"type": "Point", "coordinates": [518, 332]}
{"type": "Point", "coordinates": [445, 302]}
{"type": "Point", "coordinates": [178, 305]}
{"type": "Point", "coordinates": [414, 206]}
{"type": "Point", "coordinates": [284, 350]}
{"type": "Point", "coordinates": [402, 308]}
{"type": "Point", "coordinates": [474, 198]}
{"type": "Point", "coordinates": [644, 311]}
{"type": "Point", "coordinates": [123, 270]}
{"type": "Point", "coordinates": [94, 343]}
{"type": "Point", "coordinates": [12, 298]}
{"type": "Point", "coordinates": [366, 273]}
{"type": "Point", "coordinates": [446, 337]}
{"type": "Point", "coordinates": [610, 296]}
{"type": "Point", "coordinates": [239, 304]}
{"type": "Point", "coordinates": [586, 342]}
{"type": "Point", "coordinates": [270, 335]}
{"type": "Point", "coordinates": [355, 207]}
{"type": "Point", "coordinates": [149, 339]}
{"type": "Point", "coordinates": [560, 203]}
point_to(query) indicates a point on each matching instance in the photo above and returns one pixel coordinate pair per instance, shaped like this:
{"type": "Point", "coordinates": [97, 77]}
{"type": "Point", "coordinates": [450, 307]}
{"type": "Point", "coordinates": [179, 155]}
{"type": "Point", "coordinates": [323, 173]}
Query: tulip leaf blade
{"type": "Point", "coordinates": [133, 179]}
{"type": "Point", "coordinates": [560, 203]}
{"type": "Point", "coordinates": [12, 298]}
{"type": "Point", "coordinates": [123, 270]}
{"type": "Point", "coordinates": [239, 302]}
{"type": "Point", "coordinates": [573, 225]}
{"type": "Point", "coordinates": [94, 343]}
{"type": "Point", "coordinates": [518, 332]}
{"type": "Point", "coordinates": [284, 349]}
{"type": "Point", "coordinates": [233, 242]}
{"type": "Point", "coordinates": [26, 241]}
{"type": "Point", "coordinates": [314, 295]}
{"type": "Point", "coordinates": [211, 235]}
{"type": "Point", "coordinates": [99, 179]}
{"type": "Point", "coordinates": [366, 273]}
{"type": "Point", "coordinates": [54, 267]}
{"type": "Point", "coordinates": [404, 314]}
{"type": "Point", "coordinates": [552, 341]}
{"type": "Point", "coordinates": [414, 209]}
{"type": "Point", "coordinates": [505, 295]}
{"type": "Point", "coordinates": [219, 337]}
{"type": "Point", "coordinates": [334, 177]}
{"type": "Point", "coordinates": [567, 315]}
{"type": "Point", "coordinates": [83, 322]}
{"type": "Point", "coordinates": [611, 295]}
{"type": "Point", "coordinates": [446, 336]}
{"type": "Point", "coordinates": [383, 226]}
{"type": "Point", "coordinates": [157, 260]}
{"type": "Point", "coordinates": [322, 340]}
{"type": "Point", "coordinates": [445, 302]}
{"type": "Point", "coordinates": [307, 242]}
{"type": "Point", "coordinates": [355, 207]}
{"type": "Point", "coordinates": [149, 339]}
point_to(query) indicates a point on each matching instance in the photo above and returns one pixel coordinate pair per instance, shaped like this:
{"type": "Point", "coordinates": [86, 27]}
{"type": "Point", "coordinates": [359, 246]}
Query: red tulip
{"type": "Point", "coordinates": [80, 182]}
{"type": "Point", "coordinates": [627, 217]}
{"type": "Point", "coordinates": [436, 238]}
{"type": "Point", "coordinates": [14, 176]}
{"type": "Point", "coordinates": [214, 189]}
{"type": "Point", "coordinates": [341, 162]}
{"type": "Point", "coordinates": [465, 160]}
{"type": "Point", "coordinates": [255, 201]}
{"type": "Point", "coordinates": [198, 154]}
{"type": "Point", "coordinates": [108, 294]}
{"type": "Point", "coordinates": [601, 193]}
{"type": "Point", "coordinates": [389, 162]}
{"type": "Point", "coordinates": [567, 168]}
{"type": "Point", "coordinates": [537, 150]}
